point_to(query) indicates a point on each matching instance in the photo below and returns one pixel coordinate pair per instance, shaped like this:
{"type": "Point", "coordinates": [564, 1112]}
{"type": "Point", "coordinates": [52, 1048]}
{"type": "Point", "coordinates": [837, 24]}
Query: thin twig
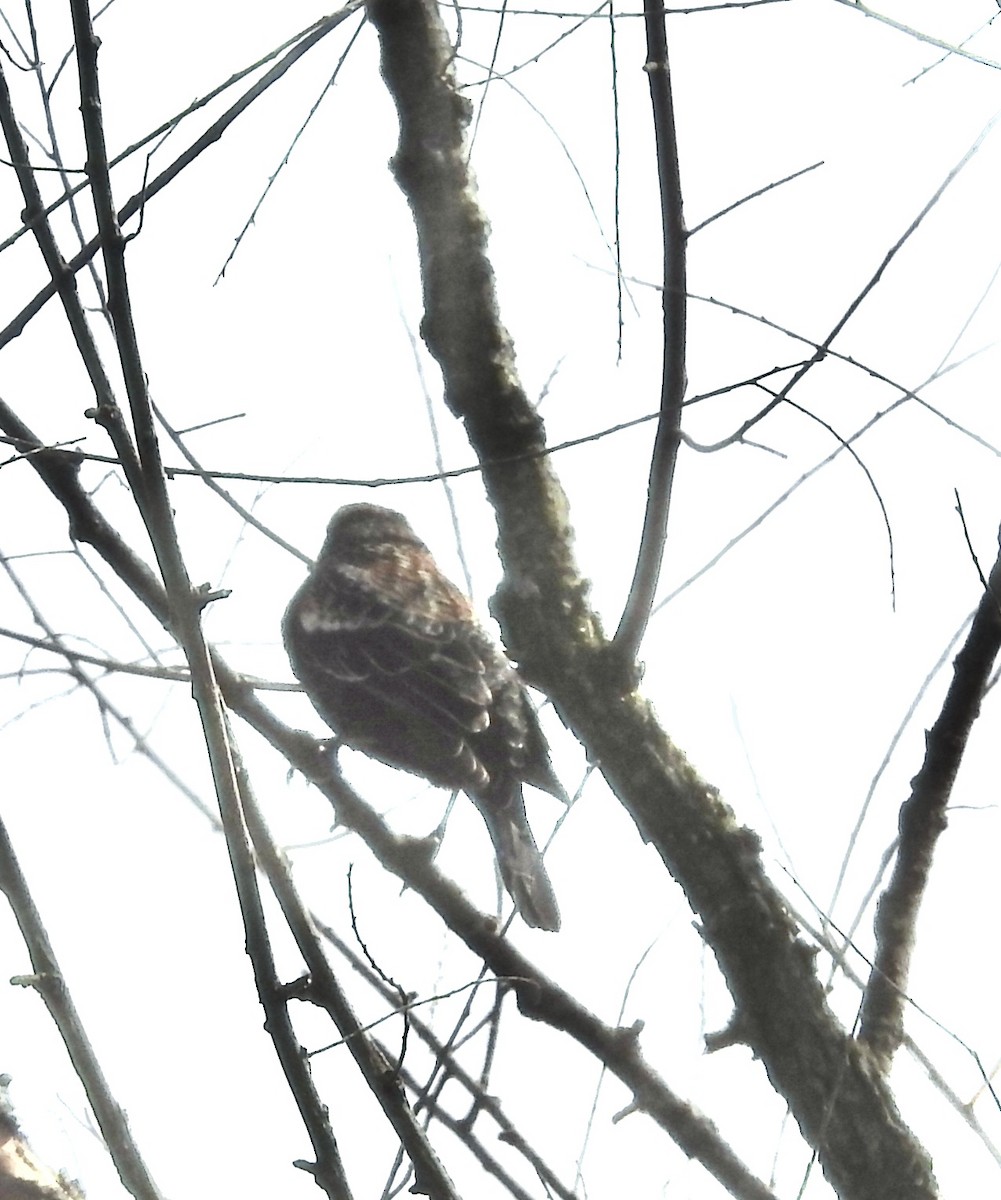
{"type": "Point", "coordinates": [753, 196]}
{"type": "Point", "coordinates": [63, 282]}
{"type": "Point", "coordinates": [856, 6]}
{"type": "Point", "coordinates": [109, 665]}
{"type": "Point", "coordinates": [550, 12]}
{"type": "Point", "coordinates": [572, 163]}
{"type": "Point", "coordinates": [616, 177]}
{"type": "Point", "coordinates": [460, 1127]}
{"type": "Point", "coordinates": [439, 457]}
{"type": "Point", "coordinates": [941, 370]}
{"type": "Point", "coordinates": [906, 395]}
{"type": "Point", "coordinates": [434, 476]}
{"type": "Point", "coordinates": [53, 151]}
{"type": "Point", "coordinates": [166, 127]}
{"type": "Point", "coordinates": [243, 512]}
{"type": "Point", "coordinates": [872, 484]}
{"type": "Point", "coordinates": [288, 153]}
{"type": "Point", "coordinates": [211, 135]}
{"type": "Point", "coordinates": [869, 286]}
{"type": "Point", "coordinates": [948, 54]}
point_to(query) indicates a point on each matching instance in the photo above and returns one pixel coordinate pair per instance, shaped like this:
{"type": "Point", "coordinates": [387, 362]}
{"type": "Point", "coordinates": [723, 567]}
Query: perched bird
{"type": "Point", "coordinates": [395, 662]}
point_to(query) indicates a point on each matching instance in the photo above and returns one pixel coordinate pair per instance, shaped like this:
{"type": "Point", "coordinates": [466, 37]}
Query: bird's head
{"type": "Point", "coordinates": [361, 532]}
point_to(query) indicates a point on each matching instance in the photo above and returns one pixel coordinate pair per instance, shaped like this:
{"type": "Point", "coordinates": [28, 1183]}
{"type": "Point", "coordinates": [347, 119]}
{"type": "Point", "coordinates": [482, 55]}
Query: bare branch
{"type": "Point", "coordinates": [922, 821]}
{"type": "Point", "coordinates": [753, 196]}
{"type": "Point", "coordinates": [855, 6]}
{"type": "Point", "coordinates": [288, 154]}
{"type": "Point", "coordinates": [184, 604]}
{"type": "Point", "coordinates": [847, 1114]}
{"type": "Point", "coordinates": [633, 622]}
{"type": "Point", "coordinates": [328, 1170]}
{"type": "Point", "coordinates": [48, 981]}
{"type": "Point", "coordinates": [538, 996]}
{"type": "Point", "coordinates": [211, 135]}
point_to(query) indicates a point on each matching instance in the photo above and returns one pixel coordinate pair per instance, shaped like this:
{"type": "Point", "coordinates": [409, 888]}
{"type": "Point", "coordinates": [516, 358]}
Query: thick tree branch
{"type": "Point", "coordinates": [843, 1110]}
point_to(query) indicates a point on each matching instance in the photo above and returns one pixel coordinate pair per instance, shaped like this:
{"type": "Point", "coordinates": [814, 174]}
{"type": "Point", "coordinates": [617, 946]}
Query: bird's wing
{"type": "Point", "coordinates": [412, 657]}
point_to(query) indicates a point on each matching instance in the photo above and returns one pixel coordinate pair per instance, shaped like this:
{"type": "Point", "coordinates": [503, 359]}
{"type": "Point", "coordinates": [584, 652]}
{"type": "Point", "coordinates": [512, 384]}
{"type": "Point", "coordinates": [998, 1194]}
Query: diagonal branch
{"type": "Point", "coordinates": [48, 981]}
{"type": "Point", "coordinates": [135, 203]}
{"type": "Point", "coordinates": [537, 995]}
{"type": "Point", "coordinates": [843, 1110]}
{"type": "Point", "coordinates": [183, 605]}
{"type": "Point", "coordinates": [922, 822]}
{"type": "Point", "coordinates": [328, 1170]}
{"type": "Point", "coordinates": [857, 6]}
{"type": "Point", "coordinates": [63, 283]}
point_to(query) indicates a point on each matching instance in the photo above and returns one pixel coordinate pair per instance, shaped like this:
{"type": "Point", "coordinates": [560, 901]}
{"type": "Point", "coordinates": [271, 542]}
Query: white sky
{"type": "Point", "coordinates": [784, 672]}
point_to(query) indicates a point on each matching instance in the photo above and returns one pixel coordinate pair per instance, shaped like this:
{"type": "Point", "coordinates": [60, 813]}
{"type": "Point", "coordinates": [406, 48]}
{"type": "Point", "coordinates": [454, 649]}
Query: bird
{"type": "Point", "coordinates": [393, 658]}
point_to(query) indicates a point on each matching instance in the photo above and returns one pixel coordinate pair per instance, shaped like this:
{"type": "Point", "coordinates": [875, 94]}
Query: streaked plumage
{"type": "Point", "coordinates": [393, 659]}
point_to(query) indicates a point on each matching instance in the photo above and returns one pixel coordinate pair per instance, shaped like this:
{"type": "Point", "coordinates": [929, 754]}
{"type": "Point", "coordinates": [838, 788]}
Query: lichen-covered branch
{"type": "Point", "coordinates": [843, 1108]}
{"type": "Point", "coordinates": [922, 822]}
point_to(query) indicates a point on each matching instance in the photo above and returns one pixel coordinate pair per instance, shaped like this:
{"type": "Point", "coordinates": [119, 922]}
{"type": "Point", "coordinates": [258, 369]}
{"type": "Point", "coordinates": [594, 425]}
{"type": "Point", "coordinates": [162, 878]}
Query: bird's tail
{"type": "Point", "coordinates": [520, 861]}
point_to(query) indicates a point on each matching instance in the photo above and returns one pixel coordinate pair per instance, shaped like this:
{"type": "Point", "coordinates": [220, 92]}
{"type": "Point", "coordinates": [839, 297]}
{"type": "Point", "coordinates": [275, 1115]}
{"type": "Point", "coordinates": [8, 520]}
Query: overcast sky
{"type": "Point", "coordinates": [784, 672]}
